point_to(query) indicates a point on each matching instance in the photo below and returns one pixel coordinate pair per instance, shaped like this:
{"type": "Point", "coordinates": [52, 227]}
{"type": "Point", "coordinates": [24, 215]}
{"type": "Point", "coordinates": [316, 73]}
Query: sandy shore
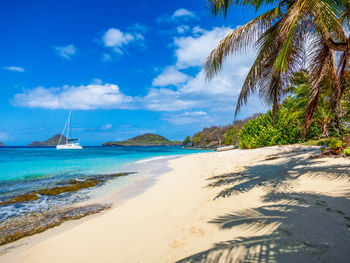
{"type": "Point", "coordinates": [266, 205]}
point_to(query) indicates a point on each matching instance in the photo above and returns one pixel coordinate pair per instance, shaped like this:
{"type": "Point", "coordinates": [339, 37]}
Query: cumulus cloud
{"type": "Point", "coordinates": [192, 51]}
{"type": "Point", "coordinates": [67, 51]}
{"type": "Point", "coordinates": [170, 76]}
{"type": "Point", "coordinates": [195, 92]}
{"type": "Point", "coordinates": [14, 68]}
{"type": "Point", "coordinates": [167, 100]}
{"type": "Point", "coordinates": [116, 39]}
{"type": "Point", "coordinates": [180, 89]}
{"type": "Point", "coordinates": [182, 12]}
{"type": "Point", "coordinates": [182, 29]}
{"type": "Point", "coordinates": [93, 96]}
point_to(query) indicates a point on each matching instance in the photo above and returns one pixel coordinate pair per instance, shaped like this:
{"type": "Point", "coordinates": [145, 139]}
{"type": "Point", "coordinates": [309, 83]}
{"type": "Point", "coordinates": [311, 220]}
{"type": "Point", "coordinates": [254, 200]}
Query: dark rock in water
{"type": "Point", "coordinates": [53, 141]}
{"type": "Point", "coordinates": [68, 187]}
{"type": "Point", "coordinates": [36, 223]}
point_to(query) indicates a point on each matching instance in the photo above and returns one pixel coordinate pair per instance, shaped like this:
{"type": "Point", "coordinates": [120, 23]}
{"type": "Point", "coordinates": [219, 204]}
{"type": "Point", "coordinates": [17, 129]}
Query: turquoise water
{"type": "Point", "coordinates": [25, 169]}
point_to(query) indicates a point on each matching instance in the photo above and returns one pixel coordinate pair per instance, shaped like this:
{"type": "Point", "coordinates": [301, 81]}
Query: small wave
{"type": "Point", "coordinates": [152, 159]}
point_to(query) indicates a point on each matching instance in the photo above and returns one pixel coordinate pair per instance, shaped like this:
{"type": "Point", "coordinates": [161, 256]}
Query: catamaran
{"type": "Point", "coordinates": [69, 144]}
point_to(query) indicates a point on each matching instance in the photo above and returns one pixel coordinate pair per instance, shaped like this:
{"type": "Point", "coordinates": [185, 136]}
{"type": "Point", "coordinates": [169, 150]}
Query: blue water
{"type": "Point", "coordinates": [25, 169]}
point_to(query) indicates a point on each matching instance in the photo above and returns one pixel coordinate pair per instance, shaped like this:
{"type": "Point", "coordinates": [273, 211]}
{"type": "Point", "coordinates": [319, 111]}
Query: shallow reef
{"type": "Point", "coordinates": [28, 225]}
{"type": "Point", "coordinates": [67, 187]}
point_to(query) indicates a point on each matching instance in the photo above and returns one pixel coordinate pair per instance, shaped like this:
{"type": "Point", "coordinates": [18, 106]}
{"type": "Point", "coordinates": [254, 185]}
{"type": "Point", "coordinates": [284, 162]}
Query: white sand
{"type": "Point", "coordinates": [289, 209]}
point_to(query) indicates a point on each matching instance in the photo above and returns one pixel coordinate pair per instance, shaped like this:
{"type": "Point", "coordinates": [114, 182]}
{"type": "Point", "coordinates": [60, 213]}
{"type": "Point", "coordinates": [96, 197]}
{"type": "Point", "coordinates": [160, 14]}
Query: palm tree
{"type": "Point", "coordinates": [282, 37]}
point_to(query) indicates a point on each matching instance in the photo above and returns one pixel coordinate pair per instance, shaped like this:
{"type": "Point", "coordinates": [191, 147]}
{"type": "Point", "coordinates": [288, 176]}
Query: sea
{"type": "Point", "coordinates": [25, 170]}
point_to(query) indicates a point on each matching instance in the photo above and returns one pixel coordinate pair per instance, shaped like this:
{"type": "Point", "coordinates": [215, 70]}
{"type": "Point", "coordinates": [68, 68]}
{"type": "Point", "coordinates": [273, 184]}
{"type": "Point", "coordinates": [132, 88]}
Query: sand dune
{"type": "Point", "coordinates": [273, 204]}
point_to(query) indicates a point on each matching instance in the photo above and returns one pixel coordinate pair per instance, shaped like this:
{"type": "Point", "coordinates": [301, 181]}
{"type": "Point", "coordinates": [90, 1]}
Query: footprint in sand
{"type": "Point", "coordinates": [177, 244]}
{"type": "Point", "coordinates": [197, 231]}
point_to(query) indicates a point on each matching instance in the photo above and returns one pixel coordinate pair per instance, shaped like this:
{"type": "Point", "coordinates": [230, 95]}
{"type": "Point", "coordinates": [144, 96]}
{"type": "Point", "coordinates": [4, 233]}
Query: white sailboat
{"type": "Point", "coordinates": [70, 144]}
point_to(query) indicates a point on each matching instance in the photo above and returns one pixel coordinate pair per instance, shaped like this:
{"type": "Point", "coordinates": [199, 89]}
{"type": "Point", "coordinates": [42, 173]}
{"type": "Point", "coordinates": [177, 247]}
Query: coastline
{"type": "Point", "coordinates": [197, 210]}
{"type": "Point", "coordinates": [141, 175]}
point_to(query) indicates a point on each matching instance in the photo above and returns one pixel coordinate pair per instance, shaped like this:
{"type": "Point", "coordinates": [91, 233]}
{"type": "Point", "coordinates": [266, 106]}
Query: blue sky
{"type": "Point", "coordinates": [124, 69]}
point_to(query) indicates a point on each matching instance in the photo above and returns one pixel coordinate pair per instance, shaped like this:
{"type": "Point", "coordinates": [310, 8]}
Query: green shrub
{"type": "Point", "coordinates": [318, 142]}
{"type": "Point", "coordinates": [335, 144]}
{"type": "Point", "coordinates": [187, 140]}
{"type": "Point", "coordinates": [260, 132]}
{"type": "Point", "coordinates": [347, 151]}
{"type": "Point", "coordinates": [231, 136]}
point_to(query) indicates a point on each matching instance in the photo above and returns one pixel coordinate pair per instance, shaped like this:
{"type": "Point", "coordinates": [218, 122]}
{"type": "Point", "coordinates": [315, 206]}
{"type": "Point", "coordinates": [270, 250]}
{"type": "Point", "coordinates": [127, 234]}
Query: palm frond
{"type": "Point", "coordinates": [222, 6]}
{"type": "Point", "coordinates": [262, 71]}
{"type": "Point", "coordinates": [240, 39]}
{"type": "Point", "coordinates": [320, 62]}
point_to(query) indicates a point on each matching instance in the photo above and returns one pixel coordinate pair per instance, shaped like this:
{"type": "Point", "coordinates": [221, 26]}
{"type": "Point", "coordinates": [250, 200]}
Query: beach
{"type": "Point", "coordinates": [274, 204]}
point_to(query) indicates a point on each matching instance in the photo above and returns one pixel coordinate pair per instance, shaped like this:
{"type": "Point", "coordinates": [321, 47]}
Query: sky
{"type": "Point", "coordinates": [123, 68]}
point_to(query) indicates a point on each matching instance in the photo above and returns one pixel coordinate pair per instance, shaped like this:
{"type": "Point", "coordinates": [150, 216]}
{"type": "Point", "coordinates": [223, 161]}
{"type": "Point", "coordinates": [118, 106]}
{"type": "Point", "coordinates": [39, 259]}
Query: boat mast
{"type": "Point", "coordinates": [65, 126]}
{"type": "Point", "coordinates": [70, 113]}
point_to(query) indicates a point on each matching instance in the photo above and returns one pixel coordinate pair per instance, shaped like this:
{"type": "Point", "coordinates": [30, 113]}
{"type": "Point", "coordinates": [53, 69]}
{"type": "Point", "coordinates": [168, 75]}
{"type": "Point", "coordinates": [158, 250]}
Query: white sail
{"type": "Point", "coordinates": [69, 145]}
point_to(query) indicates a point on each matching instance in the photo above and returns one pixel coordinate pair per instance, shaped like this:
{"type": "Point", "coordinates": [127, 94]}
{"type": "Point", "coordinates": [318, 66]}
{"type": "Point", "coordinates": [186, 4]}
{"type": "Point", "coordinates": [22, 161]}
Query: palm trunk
{"type": "Point", "coordinates": [325, 130]}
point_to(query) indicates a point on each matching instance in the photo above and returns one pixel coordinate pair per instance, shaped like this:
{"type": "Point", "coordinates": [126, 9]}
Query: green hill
{"type": "Point", "coordinates": [146, 140]}
{"type": "Point", "coordinates": [53, 141]}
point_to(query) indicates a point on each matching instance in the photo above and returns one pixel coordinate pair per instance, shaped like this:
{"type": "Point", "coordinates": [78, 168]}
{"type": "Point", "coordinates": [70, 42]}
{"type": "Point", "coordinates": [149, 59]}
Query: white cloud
{"type": "Point", "coordinates": [166, 100]}
{"type": "Point", "coordinates": [196, 93]}
{"type": "Point", "coordinates": [192, 51]}
{"type": "Point", "coordinates": [13, 68]}
{"type": "Point", "coordinates": [116, 39]}
{"type": "Point", "coordinates": [188, 118]}
{"type": "Point", "coordinates": [4, 136]}
{"type": "Point", "coordinates": [107, 126]}
{"type": "Point", "coordinates": [182, 29]}
{"type": "Point", "coordinates": [93, 96]}
{"type": "Point", "coordinates": [66, 51]}
{"type": "Point", "coordinates": [182, 12]}
{"type": "Point", "coordinates": [191, 97]}
{"type": "Point", "coordinates": [170, 76]}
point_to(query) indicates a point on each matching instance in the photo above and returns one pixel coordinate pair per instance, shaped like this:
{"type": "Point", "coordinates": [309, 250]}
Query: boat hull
{"type": "Point", "coordinates": [71, 146]}
{"type": "Point", "coordinates": [225, 148]}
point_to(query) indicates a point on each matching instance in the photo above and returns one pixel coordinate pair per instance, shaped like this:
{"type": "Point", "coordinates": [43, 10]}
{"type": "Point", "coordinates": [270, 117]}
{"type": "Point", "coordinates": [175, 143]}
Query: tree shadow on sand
{"type": "Point", "coordinates": [300, 230]}
{"type": "Point", "coordinates": [292, 226]}
{"type": "Point", "coordinates": [274, 176]}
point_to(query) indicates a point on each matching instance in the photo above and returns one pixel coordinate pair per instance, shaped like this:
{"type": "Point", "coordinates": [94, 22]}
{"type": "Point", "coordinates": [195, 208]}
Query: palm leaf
{"type": "Point", "coordinates": [240, 39]}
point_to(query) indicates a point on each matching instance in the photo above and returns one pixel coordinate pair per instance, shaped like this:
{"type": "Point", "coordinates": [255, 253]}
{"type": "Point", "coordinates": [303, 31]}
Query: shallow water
{"type": "Point", "coordinates": [27, 169]}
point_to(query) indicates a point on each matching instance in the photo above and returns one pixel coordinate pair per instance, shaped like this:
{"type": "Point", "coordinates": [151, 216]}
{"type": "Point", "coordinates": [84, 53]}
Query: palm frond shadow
{"type": "Point", "coordinates": [289, 240]}
{"type": "Point", "coordinates": [273, 175]}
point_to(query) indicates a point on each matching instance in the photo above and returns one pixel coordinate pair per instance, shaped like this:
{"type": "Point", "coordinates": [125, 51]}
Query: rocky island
{"type": "Point", "coordinates": [53, 141]}
{"type": "Point", "coordinates": [147, 139]}
{"type": "Point", "coordinates": [2, 144]}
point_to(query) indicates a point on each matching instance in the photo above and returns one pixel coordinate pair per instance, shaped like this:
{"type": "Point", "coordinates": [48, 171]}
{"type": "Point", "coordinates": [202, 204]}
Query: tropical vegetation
{"type": "Point", "coordinates": [301, 68]}
{"type": "Point", "coordinates": [283, 36]}
{"type": "Point", "coordinates": [144, 139]}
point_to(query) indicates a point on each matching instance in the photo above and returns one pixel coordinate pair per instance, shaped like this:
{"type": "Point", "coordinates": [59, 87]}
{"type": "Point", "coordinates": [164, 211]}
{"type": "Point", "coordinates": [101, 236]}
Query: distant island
{"type": "Point", "coordinates": [147, 139]}
{"type": "Point", "coordinates": [53, 141]}
{"type": "Point", "coordinates": [2, 144]}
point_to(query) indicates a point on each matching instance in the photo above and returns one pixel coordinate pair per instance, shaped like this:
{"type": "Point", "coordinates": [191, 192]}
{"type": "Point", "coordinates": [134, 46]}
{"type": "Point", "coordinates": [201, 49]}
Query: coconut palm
{"type": "Point", "coordinates": [282, 37]}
